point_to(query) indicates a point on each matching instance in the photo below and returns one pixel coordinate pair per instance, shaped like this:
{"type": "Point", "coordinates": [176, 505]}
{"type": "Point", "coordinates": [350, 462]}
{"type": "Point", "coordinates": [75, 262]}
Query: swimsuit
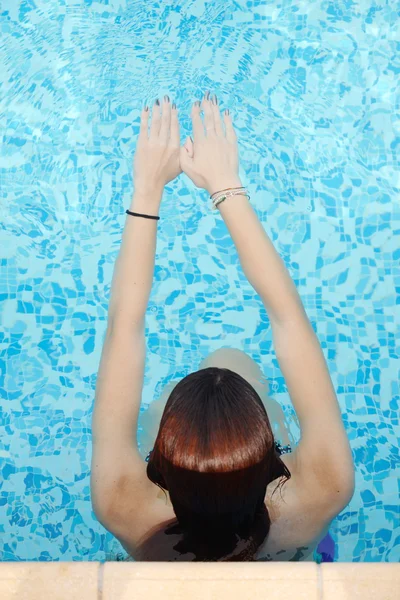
{"type": "Point", "coordinates": [278, 447]}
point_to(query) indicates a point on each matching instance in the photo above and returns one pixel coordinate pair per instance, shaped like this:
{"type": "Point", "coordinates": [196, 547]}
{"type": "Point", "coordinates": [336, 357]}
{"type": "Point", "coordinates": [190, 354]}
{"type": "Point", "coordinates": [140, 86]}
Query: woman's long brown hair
{"type": "Point", "coordinates": [215, 454]}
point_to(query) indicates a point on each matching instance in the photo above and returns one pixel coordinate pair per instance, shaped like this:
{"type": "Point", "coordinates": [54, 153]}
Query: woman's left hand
{"type": "Point", "coordinates": [156, 161]}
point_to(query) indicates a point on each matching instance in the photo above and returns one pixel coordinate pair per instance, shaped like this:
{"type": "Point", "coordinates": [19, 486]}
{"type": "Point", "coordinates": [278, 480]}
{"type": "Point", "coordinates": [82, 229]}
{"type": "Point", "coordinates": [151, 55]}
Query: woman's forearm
{"type": "Point", "coordinates": [134, 267]}
{"type": "Point", "coordinates": [261, 263]}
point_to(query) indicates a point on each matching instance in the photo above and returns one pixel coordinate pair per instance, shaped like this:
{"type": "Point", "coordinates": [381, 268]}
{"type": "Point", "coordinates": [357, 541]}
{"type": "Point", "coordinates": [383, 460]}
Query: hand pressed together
{"type": "Point", "coordinates": [156, 161]}
{"type": "Point", "coordinates": [211, 160]}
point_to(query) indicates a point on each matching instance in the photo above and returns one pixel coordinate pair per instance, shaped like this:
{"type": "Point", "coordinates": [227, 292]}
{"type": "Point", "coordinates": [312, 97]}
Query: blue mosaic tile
{"type": "Point", "coordinates": [314, 89]}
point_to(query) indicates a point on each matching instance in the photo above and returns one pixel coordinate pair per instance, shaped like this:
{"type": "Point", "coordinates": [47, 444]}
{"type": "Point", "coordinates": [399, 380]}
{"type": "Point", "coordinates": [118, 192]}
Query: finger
{"type": "Point", "coordinates": [197, 123]}
{"type": "Point", "coordinates": [165, 128]}
{"type": "Point", "coordinates": [219, 130]}
{"type": "Point", "coordinates": [230, 131]}
{"type": "Point", "coordinates": [155, 120]}
{"type": "Point", "coordinates": [175, 138]}
{"type": "Point", "coordinates": [208, 115]}
{"type": "Point", "coordinates": [144, 125]}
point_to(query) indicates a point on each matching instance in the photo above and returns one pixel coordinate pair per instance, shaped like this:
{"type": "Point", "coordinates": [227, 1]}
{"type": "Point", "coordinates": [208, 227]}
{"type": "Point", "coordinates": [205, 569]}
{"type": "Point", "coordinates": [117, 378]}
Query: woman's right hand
{"type": "Point", "coordinates": [212, 159]}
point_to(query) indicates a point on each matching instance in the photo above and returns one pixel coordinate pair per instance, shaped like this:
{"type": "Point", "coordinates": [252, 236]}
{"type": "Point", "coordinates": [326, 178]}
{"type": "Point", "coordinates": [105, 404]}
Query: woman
{"type": "Point", "coordinates": [217, 485]}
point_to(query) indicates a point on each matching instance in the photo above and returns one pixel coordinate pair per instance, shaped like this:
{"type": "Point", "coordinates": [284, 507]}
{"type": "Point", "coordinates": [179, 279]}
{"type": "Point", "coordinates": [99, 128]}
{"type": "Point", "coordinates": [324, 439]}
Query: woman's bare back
{"type": "Point", "coordinates": [297, 526]}
{"type": "Point", "coordinates": [298, 522]}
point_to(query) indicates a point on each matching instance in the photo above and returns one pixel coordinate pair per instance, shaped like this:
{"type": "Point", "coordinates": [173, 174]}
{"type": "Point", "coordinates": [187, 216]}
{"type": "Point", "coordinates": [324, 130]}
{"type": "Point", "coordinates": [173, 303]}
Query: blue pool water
{"type": "Point", "coordinates": [314, 91]}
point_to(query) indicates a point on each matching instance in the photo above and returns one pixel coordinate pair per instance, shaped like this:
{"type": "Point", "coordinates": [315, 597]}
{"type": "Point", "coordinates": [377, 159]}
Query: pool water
{"type": "Point", "coordinates": [314, 91]}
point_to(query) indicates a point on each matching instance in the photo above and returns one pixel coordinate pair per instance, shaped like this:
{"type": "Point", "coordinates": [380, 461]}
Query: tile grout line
{"type": "Point", "coordinates": [320, 586]}
{"type": "Point", "coordinates": [100, 580]}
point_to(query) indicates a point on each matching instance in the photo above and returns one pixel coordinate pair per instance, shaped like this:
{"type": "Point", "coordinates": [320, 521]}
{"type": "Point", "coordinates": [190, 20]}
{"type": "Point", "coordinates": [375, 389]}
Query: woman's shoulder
{"type": "Point", "coordinates": [298, 520]}
{"type": "Point", "coordinates": [153, 544]}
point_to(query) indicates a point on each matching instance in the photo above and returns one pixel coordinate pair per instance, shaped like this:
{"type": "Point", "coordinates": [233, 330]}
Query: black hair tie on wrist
{"type": "Point", "coordinates": [129, 212]}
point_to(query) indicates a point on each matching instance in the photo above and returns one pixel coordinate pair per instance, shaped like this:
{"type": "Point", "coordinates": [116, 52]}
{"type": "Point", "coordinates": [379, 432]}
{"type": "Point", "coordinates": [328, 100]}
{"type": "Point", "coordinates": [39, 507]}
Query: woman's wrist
{"type": "Point", "coordinates": [224, 184]}
{"type": "Point", "coordinates": [147, 199]}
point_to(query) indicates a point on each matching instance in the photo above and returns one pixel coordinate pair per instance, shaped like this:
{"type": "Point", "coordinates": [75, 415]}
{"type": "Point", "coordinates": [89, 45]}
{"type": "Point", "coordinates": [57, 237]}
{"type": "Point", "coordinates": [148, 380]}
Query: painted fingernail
{"type": "Point", "coordinates": [197, 103]}
{"type": "Point", "coordinates": [207, 96]}
{"type": "Point", "coordinates": [227, 111]}
{"type": "Point", "coordinates": [214, 100]}
{"type": "Point", "coordinates": [166, 98]}
{"type": "Point", "coordinates": [146, 108]}
{"type": "Point", "coordinates": [157, 102]}
{"type": "Point", "coordinates": [191, 139]}
{"type": "Point", "coordinates": [174, 105]}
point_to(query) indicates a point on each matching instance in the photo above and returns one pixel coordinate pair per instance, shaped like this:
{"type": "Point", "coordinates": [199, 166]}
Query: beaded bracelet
{"type": "Point", "coordinates": [219, 197]}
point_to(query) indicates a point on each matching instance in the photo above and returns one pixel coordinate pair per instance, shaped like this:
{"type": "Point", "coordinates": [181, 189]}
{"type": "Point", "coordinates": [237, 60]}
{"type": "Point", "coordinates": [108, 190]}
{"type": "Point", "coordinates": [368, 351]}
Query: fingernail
{"type": "Point", "coordinates": [191, 139]}
{"type": "Point", "coordinates": [174, 105]}
{"type": "Point", "coordinates": [157, 102]}
{"type": "Point", "coordinates": [146, 108]}
{"type": "Point", "coordinates": [207, 96]}
{"type": "Point", "coordinates": [197, 103]}
{"type": "Point", "coordinates": [227, 111]}
{"type": "Point", "coordinates": [166, 98]}
{"type": "Point", "coordinates": [214, 99]}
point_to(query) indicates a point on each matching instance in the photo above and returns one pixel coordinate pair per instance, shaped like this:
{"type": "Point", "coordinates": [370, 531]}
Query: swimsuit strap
{"type": "Point", "coordinates": [283, 449]}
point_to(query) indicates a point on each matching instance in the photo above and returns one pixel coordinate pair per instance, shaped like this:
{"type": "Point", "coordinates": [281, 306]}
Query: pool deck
{"type": "Point", "coordinates": [195, 581]}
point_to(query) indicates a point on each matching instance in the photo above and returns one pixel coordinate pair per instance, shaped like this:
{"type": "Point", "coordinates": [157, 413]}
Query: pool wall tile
{"type": "Point", "coordinates": [49, 580]}
{"type": "Point", "coordinates": [360, 581]}
{"type": "Point", "coordinates": [211, 581]}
